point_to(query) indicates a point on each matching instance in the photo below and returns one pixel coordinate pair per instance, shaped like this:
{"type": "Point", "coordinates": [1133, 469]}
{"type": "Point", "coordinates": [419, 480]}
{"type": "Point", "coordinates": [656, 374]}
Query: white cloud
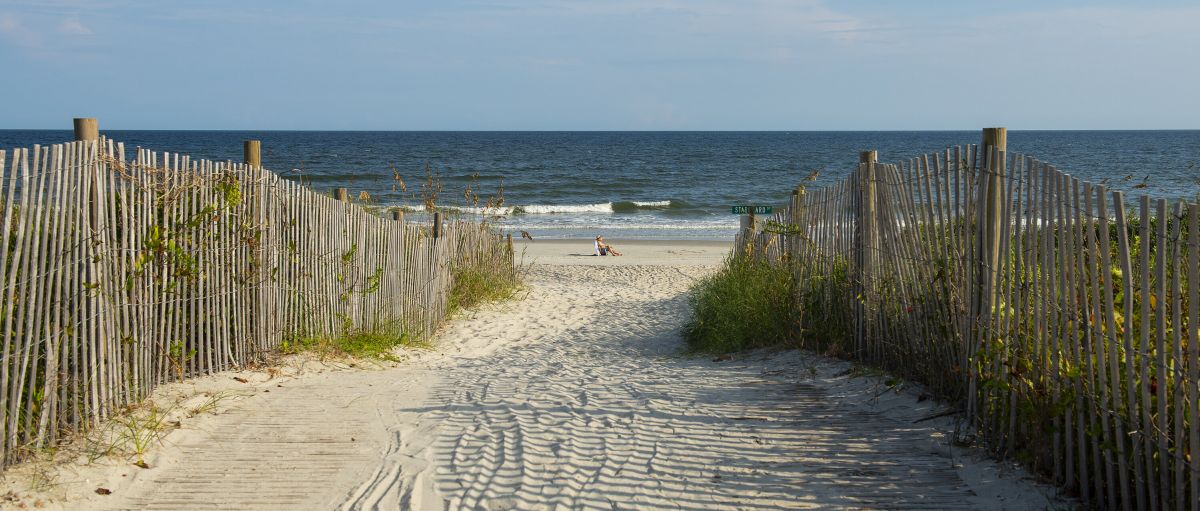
{"type": "Point", "coordinates": [43, 36]}
{"type": "Point", "coordinates": [73, 26]}
{"type": "Point", "coordinates": [14, 30]}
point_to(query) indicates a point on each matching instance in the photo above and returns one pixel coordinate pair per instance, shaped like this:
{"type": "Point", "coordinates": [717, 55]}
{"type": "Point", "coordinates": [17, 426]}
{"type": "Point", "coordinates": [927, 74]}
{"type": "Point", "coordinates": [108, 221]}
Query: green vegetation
{"type": "Point", "coordinates": [475, 284]}
{"type": "Point", "coordinates": [130, 434]}
{"type": "Point", "coordinates": [823, 312]}
{"type": "Point", "coordinates": [745, 305]}
{"type": "Point", "coordinates": [357, 343]}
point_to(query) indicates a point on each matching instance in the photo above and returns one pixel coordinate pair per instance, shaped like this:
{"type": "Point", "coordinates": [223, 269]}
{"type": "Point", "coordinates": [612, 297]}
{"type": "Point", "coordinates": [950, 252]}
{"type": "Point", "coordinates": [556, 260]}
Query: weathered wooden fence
{"type": "Point", "coordinates": [1063, 319]}
{"type": "Point", "coordinates": [121, 274]}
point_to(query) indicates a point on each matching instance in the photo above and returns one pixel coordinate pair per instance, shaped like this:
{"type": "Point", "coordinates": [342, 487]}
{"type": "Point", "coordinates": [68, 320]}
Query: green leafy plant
{"type": "Point", "coordinates": [178, 355]}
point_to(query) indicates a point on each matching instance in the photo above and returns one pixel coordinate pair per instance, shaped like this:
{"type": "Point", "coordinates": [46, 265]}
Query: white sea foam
{"type": "Point", "coordinates": [545, 209]}
{"type": "Point", "coordinates": [531, 209]}
{"type": "Point", "coordinates": [668, 226]}
{"type": "Point", "coordinates": [500, 211]}
{"type": "Point", "coordinates": [652, 204]}
{"type": "Point", "coordinates": [542, 209]}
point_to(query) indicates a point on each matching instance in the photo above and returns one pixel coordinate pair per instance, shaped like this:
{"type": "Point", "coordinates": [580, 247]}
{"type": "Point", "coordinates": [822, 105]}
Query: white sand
{"type": "Point", "coordinates": [579, 396]}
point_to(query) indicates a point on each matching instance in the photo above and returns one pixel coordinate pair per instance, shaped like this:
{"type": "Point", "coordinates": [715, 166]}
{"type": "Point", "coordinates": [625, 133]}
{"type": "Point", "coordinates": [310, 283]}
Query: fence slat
{"type": "Point", "coordinates": [1193, 356]}
{"type": "Point", "coordinates": [1125, 331]}
{"type": "Point", "coordinates": [1141, 374]}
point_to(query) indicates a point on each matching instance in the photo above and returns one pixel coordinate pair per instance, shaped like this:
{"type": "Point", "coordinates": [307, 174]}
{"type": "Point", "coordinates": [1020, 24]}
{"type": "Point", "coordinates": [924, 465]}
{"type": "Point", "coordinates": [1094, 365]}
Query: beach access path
{"type": "Point", "coordinates": [578, 396]}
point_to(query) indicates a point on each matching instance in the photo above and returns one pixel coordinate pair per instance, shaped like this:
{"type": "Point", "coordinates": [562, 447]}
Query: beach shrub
{"type": "Point", "coordinates": [744, 305]}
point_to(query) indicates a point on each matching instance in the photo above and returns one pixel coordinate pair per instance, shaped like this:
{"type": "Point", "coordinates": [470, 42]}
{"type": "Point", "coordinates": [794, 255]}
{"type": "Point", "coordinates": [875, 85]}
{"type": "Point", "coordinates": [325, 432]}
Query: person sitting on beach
{"type": "Point", "coordinates": [603, 248]}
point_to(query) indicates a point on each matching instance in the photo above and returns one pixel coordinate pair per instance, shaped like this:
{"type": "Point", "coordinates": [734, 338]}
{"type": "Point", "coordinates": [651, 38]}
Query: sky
{"type": "Point", "coordinates": [600, 65]}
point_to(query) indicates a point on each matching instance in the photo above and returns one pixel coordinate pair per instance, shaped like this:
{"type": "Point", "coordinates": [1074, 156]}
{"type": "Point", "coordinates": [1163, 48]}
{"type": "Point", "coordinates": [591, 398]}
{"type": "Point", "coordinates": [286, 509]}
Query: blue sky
{"type": "Point", "coordinates": [600, 65]}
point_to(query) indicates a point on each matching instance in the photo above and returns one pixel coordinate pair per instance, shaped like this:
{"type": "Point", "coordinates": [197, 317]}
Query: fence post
{"type": "Point", "coordinates": [252, 152]}
{"type": "Point", "coordinates": [87, 128]}
{"type": "Point", "coordinates": [398, 215]}
{"type": "Point", "coordinates": [868, 159]}
{"type": "Point", "coordinates": [794, 211]}
{"type": "Point", "coordinates": [790, 235]}
{"type": "Point", "coordinates": [437, 224]}
{"type": "Point", "coordinates": [866, 245]}
{"type": "Point", "coordinates": [987, 254]}
{"type": "Point", "coordinates": [341, 194]}
{"type": "Point", "coordinates": [995, 143]}
{"type": "Point", "coordinates": [510, 248]}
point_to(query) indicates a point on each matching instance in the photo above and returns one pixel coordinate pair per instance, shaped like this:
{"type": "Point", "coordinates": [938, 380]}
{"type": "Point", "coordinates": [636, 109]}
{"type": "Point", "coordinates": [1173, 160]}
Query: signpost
{"type": "Point", "coordinates": [752, 210]}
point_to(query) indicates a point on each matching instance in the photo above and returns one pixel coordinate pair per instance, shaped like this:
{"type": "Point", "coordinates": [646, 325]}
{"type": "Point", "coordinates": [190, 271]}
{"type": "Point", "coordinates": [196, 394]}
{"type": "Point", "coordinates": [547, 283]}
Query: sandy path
{"type": "Point", "coordinates": [577, 397]}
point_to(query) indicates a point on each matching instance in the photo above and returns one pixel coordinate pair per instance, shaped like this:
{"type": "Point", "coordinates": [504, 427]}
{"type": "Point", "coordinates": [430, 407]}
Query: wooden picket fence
{"type": "Point", "coordinates": [1061, 318]}
{"type": "Point", "coordinates": [119, 275]}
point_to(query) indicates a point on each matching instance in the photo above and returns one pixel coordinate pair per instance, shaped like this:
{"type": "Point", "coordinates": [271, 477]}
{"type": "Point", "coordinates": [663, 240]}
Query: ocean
{"type": "Point", "coordinates": [674, 185]}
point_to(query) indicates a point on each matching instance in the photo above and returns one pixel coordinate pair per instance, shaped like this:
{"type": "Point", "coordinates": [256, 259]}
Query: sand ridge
{"type": "Point", "coordinates": [599, 409]}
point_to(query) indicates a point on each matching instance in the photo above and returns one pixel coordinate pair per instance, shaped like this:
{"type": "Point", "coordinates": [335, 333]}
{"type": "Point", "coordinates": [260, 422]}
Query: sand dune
{"type": "Point", "coordinates": [578, 396]}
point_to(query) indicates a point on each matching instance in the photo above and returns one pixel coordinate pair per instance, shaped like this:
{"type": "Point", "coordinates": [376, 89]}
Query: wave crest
{"type": "Point", "coordinates": [543, 209]}
{"type": "Point", "coordinates": [551, 209]}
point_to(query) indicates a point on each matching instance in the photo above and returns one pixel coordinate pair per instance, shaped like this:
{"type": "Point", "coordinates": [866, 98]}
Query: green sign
{"type": "Point", "coordinates": [757, 210]}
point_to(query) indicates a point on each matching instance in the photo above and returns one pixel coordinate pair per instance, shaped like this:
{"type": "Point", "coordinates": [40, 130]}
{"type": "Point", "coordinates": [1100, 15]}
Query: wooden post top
{"type": "Point", "coordinates": [341, 194]}
{"type": "Point", "coordinates": [87, 128]}
{"type": "Point", "coordinates": [252, 151]}
{"type": "Point", "coordinates": [868, 156]}
{"type": "Point", "coordinates": [397, 215]}
{"type": "Point", "coordinates": [995, 137]}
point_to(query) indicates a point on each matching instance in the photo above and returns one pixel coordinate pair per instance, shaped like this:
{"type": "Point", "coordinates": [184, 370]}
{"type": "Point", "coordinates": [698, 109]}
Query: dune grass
{"type": "Point", "coordinates": [744, 305]}
{"type": "Point", "coordinates": [357, 343]}
{"type": "Point", "coordinates": [474, 283]}
{"type": "Point", "coordinates": [482, 281]}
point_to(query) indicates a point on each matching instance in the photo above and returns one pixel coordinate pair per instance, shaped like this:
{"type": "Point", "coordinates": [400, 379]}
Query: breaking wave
{"type": "Point", "coordinates": [551, 209]}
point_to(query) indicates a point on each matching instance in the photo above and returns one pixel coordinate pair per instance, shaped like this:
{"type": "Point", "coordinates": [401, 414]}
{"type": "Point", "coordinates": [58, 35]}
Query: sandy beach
{"type": "Point", "coordinates": [638, 252]}
{"type": "Point", "coordinates": [578, 395]}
